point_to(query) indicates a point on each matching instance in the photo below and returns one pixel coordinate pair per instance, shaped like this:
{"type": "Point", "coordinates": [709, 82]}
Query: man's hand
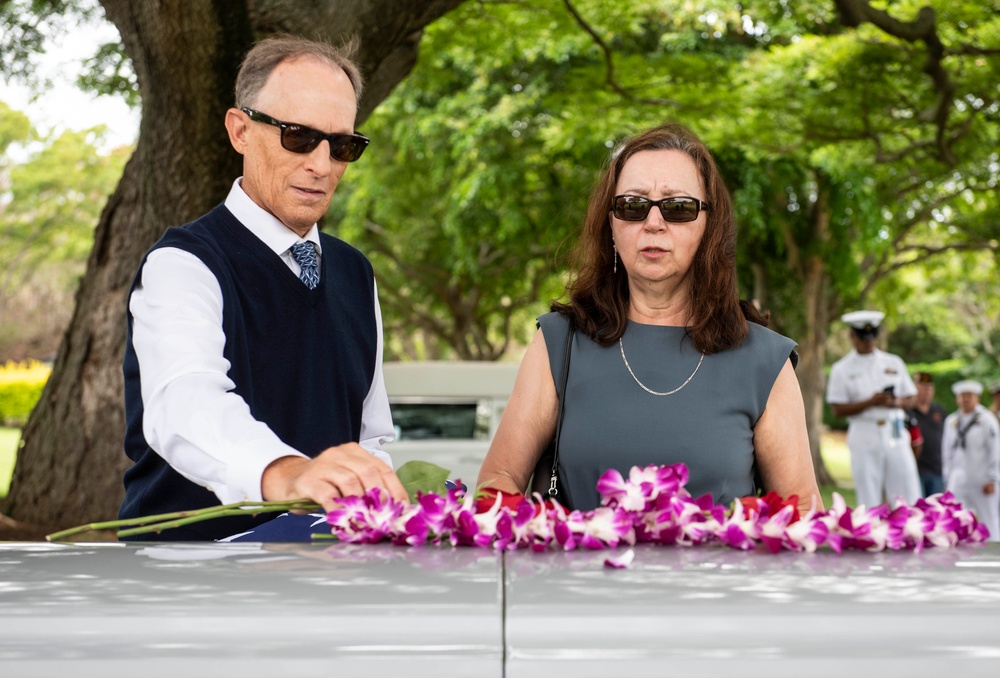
{"type": "Point", "coordinates": [344, 471]}
{"type": "Point", "coordinates": [882, 399]}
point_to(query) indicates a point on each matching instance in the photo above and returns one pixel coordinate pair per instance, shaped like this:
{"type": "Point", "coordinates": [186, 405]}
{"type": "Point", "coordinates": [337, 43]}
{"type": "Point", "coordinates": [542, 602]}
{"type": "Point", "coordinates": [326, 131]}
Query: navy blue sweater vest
{"type": "Point", "coordinates": [302, 359]}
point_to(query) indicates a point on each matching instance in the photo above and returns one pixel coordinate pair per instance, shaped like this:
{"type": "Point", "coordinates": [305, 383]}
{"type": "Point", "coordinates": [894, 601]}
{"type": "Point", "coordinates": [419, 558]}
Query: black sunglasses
{"type": "Point", "coordinates": [301, 139]}
{"type": "Point", "coordinates": [674, 209]}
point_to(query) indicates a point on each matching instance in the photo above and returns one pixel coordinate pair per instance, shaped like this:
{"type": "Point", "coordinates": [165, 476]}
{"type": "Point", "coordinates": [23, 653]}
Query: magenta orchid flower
{"type": "Point", "coordinates": [621, 561]}
{"type": "Point", "coordinates": [653, 506]}
{"type": "Point", "coordinates": [806, 534]}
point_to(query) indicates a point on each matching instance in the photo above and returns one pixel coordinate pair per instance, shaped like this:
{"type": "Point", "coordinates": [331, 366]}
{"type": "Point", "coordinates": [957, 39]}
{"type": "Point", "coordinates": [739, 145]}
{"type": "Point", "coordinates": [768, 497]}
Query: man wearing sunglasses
{"type": "Point", "coordinates": [253, 368]}
{"type": "Point", "coordinates": [870, 388]}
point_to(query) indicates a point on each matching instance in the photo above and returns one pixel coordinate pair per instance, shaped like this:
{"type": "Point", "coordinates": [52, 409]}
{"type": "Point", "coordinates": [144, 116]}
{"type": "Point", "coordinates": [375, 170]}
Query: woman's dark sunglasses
{"type": "Point", "coordinates": [301, 139]}
{"type": "Point", "coordinates": [674, 209]}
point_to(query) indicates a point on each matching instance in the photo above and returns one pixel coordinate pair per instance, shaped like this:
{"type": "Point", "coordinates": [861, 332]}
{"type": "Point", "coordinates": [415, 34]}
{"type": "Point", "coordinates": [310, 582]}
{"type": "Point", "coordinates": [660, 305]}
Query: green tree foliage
{"type": "Point", "coordinates": [958, 298]}
{"type": "Point", "coordinates": [484, 157]}
{"type": "Point", "coordinates": [15, 128]}
{"type": "Point", "coordinates": [831, 139]}
{"type": "Point", "coordinates": [109, 72]}
{"type": "Point", "coordinates": [55, 197]}
{"type": "Point", "coordinates": [26, 25]}
{"type": "Point", "coordinates": [53, 193]}
{"type": "Point", "coordinates": [858, 143]}
{"type": "Point", "coordinates": [475, 176]}
{"type": "Point", "coordinates": [860, 109]}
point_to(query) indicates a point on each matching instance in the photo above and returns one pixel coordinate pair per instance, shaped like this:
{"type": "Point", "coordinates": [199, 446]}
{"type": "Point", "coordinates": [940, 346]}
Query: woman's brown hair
{"type": "Point", "coordinates": [599, 299]}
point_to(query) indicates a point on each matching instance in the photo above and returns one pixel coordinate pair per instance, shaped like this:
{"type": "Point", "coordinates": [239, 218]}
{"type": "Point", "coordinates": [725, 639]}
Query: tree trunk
{"type": "Point", "coordinates": [812, 353]}
{"type": "Point", "coordinates": [815, 291]}
{"type": "Point", "coordinates": [186, 55]}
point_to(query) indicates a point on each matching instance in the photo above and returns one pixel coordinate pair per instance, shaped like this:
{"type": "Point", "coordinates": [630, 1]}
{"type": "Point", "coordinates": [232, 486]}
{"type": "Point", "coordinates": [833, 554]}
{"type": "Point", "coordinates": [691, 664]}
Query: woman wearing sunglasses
{"type": "Point", "coordinates": [665, 364]}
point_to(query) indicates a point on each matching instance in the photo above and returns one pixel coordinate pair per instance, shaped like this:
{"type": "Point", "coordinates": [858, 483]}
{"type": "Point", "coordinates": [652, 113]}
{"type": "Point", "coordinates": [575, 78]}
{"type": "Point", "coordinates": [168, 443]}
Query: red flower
{"type": "Point", "coordinates": [489, 497]}
{"type": "Point", "coordinates": [774, 503]}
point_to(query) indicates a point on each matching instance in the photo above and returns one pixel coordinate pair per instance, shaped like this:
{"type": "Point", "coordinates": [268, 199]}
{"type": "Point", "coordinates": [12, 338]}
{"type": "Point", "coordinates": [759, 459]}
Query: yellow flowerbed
{"type": "Point", "coordinates": [21, 386]}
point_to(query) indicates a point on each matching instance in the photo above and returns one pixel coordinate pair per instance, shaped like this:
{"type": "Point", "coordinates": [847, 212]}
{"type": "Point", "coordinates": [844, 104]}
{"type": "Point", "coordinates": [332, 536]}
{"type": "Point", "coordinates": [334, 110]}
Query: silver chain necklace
{"type": "Point", "coordinates": [646, 388]}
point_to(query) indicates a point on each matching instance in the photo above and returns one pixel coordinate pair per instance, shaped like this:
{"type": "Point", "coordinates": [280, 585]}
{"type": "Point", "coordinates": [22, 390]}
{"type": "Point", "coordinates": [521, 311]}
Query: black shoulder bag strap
{"type": "Point", "coordinates": [563, 376]}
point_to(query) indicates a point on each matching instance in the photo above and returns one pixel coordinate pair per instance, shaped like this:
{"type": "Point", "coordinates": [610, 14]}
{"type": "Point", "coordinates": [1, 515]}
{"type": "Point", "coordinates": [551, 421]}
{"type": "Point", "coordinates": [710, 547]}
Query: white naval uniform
{"type": "Point", "coordinates": [967, 470]}
{"type": "Point", "coordinates": [881, 457]}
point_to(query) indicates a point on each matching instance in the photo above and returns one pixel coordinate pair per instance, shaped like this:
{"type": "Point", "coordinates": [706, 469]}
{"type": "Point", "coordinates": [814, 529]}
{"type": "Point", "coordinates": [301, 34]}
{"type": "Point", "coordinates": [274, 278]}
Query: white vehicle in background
{"type": "Point", "coordinates": [446, 412]}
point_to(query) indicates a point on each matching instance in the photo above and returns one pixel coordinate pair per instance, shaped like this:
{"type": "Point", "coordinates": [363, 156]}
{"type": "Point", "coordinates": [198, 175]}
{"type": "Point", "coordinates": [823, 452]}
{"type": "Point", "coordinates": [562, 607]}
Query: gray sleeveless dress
{"type": "Point", "coordinates": [611, 422]}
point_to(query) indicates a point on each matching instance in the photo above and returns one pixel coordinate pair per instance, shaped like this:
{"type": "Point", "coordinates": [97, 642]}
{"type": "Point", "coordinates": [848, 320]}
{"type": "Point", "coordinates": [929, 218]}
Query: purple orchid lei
{"type": "Point", "coordinates": [652, 506]}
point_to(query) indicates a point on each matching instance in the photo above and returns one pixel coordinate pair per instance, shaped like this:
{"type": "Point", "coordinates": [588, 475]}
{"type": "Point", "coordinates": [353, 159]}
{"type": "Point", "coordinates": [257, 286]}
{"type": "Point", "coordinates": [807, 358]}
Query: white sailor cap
{"type": "Point", "coordinates": [967, 386]}
{"type": "Point", "coordinates": [863, 320]}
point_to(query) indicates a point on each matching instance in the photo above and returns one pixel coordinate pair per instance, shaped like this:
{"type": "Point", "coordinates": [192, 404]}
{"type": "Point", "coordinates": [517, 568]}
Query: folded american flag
{"type": "Point", "coordinates": [286, 527]}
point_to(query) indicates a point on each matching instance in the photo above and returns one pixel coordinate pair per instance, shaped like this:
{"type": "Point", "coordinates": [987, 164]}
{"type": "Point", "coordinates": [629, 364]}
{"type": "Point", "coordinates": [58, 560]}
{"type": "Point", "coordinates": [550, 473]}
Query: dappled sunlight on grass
{"type": "Point", "coordinates": [836, 456]}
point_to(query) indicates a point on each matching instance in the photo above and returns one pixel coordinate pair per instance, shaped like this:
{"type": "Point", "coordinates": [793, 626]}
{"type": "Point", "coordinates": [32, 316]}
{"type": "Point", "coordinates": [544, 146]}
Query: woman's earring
{"type": "Point", "coordinates": [616, 257]}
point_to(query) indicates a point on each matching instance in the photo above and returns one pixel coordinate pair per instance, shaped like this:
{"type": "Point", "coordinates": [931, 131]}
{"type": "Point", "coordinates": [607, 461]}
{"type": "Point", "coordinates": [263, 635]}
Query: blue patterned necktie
{"type": "Point", "coordinates": [304, 254]}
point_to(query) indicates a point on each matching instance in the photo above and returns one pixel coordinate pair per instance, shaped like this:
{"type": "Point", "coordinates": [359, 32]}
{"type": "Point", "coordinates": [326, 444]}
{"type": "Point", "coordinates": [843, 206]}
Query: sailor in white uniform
{"type": "Point", "coordinates": [870, 388]}
{"type": "Point", "coordinates": [970, 456]}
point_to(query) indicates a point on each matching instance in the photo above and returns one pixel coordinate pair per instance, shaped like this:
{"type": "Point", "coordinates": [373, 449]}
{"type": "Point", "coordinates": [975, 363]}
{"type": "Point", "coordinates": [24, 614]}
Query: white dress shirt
{"type": "Point", "coordinates": [859, 376]}
{"type": "Point", "coordinates": [191, 416]}
{"type": "Point", "coordinates": [967, 469]}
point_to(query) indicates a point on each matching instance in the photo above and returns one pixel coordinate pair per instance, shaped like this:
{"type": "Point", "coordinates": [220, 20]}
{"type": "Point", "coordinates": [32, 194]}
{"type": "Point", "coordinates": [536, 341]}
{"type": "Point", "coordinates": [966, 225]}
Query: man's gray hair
{"type": "Point", "coordinates": [265, 56]}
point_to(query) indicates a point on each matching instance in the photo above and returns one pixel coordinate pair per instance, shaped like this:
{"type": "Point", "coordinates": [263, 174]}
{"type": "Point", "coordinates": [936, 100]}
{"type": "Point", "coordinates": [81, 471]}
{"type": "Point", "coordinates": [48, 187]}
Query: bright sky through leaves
{"type": "Point", "coordinates": [65, 106]}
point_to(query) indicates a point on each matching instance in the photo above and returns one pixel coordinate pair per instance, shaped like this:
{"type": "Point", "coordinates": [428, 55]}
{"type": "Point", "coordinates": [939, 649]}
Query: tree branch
{"type": "Point", "coordinates": [924, 28]}
{"type": "Point", "coordinates": [928, 251]}
{"type": "Point", "coordinates": [609, 77]}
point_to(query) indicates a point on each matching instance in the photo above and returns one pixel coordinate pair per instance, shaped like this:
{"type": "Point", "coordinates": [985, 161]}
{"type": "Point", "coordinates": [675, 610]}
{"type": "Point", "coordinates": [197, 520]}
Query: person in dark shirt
{"type": "Point", "coordinates": [994, 404]}
{"type": "Point", "coordinates": [929, 418]}
{"type": "Point", "coordinates": [253, 357]}
{"type": "Point", "coordinates": [655, 278]}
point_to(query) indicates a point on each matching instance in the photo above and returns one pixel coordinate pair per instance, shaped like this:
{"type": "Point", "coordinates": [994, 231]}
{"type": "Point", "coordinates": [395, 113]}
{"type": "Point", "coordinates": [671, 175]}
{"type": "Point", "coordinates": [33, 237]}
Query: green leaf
{"type": "Point", "coordinates": [422, 476]}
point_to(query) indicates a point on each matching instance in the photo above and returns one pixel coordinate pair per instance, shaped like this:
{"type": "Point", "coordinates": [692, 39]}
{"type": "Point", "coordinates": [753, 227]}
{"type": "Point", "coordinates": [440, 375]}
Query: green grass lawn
{"type": "Point", "coordinates": [837, 458]}
{"type": "Point", "coordinates": [9, 438]}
